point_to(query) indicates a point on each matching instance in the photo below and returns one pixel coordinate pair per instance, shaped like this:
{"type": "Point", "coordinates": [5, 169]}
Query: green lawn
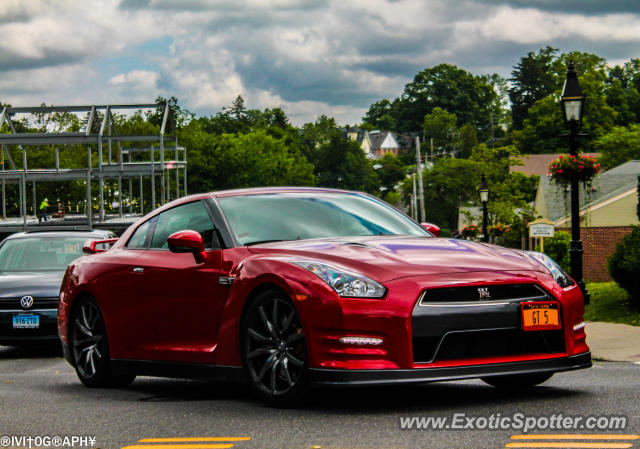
{"type": "Point", "coordinates": [609, 302]}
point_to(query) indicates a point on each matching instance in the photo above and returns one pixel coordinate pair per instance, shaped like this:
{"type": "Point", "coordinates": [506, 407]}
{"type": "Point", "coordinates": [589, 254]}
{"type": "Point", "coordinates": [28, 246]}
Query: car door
{"type": "Point", "coordinates": [119, 288]}
{"type": "Point", "coordinates": [180, 299]}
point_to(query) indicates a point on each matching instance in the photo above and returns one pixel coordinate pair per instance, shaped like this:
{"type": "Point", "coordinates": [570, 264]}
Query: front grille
{"type": "Point", "coordinates": [38, 303]}
{"type": "Point", "coordinates": [483, 293]}
{"type": "Point", "coordinates": [486, 344]}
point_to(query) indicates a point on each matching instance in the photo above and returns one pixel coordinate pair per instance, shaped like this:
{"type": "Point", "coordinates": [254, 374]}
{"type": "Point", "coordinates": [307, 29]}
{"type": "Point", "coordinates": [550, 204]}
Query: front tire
{"type": "Point", "coordinates": [274, 354]}
{"type": "Point", "coordinates": [517, 381]}
{"type": "Point", "coordinates": [90, 348]}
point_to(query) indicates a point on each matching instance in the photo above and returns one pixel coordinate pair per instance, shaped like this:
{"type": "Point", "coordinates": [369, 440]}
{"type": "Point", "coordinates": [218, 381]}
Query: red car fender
{"type": "Point", "coordinates": [310, 296]}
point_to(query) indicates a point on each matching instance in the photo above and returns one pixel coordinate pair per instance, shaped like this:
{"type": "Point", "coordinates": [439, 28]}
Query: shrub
{"type": "Point", "coordinates": [624, 265]}
{"type": "Point", "coordinates": [557, 247]}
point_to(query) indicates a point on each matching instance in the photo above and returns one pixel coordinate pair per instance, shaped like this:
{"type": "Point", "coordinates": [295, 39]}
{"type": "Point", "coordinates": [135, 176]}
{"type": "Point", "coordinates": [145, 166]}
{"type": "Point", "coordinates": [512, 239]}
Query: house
{"type": "Point", "coordinates": [383, 142]}
{"type": "Point", "coordinates": [607, 212]}
{"type": "Point", "coordinates": [377, 143]}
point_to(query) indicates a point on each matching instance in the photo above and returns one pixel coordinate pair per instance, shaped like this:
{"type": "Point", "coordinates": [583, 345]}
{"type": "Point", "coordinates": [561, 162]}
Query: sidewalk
{"type": "Point", "coordinates": [614, 342]}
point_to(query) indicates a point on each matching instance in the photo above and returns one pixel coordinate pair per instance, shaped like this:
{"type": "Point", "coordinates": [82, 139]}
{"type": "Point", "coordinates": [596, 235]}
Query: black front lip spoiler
{"type": "Point", "coordinates": [422, 375]}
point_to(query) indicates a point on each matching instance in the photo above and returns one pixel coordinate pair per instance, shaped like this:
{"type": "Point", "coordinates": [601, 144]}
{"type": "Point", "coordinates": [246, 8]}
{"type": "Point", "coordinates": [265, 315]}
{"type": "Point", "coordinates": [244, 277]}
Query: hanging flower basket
{"type": "Point", "coordinates": [565, 169]}
{"type": "Point", "coordinates": [470, 231]}
{"type": "Point", "coordinates": [498, 230]}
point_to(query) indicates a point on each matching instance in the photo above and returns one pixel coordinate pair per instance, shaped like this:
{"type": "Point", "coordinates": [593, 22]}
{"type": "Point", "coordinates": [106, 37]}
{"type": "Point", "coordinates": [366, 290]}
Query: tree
{"type": "Point", "coordinates": [390, 172]}
{"type": "Point", "coordinates": [470, 98]}
{"type": "Point", "coordinates": [544, 125]}
{"type": "Point", "coordinates": [380, 115]}
{"type": "Point", "coordinates": [532, 80]}
{"type": "Point", "coordinates": [619, 145]}
{"type": "Point", "coordinates": [440, 126]}
{"type": "Point", "coordinates": [181, 116]}
{"type": "Point", "coordinates": [468, 140]}
{"type": "Point", "coordinates": [341, 163]}
{"type": "Point", "coordinates": [244, 160]}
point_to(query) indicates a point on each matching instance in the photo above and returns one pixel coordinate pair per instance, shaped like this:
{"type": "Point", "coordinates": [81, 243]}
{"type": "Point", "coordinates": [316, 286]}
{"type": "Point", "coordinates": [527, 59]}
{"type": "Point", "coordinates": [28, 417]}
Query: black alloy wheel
{"type": "Point", "coordinates": [90, 348]}
{"type": "Point", "coordinates": [274, 350]}
{"type": "Point", "coordinates": [517, 381]}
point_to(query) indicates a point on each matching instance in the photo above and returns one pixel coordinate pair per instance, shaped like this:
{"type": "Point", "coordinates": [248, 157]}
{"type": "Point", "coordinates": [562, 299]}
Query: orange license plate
{"type": "Point", "coordinates": [540, 316]}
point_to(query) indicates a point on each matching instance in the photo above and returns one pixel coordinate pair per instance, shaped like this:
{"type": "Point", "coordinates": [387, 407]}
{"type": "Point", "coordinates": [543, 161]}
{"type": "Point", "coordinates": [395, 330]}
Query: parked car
{"type": "Point", "coordinates": [32, 265]}
{"type": "Point", "coordinates": [289, 288]}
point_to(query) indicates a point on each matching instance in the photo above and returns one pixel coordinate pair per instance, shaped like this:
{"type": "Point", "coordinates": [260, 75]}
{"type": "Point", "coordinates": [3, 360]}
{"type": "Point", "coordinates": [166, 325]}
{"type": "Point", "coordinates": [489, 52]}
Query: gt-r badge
{"type": "Point", "coordinates": [483, 293]}
{"type": "Point", "coordinates": [26, 302]}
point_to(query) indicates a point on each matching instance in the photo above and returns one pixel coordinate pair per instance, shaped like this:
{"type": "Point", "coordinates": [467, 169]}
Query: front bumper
{"type": "Point", "coordinates": [422, 375]}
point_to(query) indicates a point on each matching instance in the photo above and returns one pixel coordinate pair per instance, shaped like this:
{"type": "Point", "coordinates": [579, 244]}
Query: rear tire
{"type": "Point", "coordinates": [90, 348]}
{"type": "Point", "coordinates": [273, 350]}
{"type": "Point", "coordinates": [517, 381]}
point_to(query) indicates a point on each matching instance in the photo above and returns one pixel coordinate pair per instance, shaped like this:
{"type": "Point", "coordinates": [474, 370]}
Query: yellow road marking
{"type": "Point", "coordinates": [573, 445]}
{"type": "Point", "coordinates": [177, 440]}
{"type": "Point", "coordinates": [180, 446]}
{"type": "Point", "coordinates": [575, 437]}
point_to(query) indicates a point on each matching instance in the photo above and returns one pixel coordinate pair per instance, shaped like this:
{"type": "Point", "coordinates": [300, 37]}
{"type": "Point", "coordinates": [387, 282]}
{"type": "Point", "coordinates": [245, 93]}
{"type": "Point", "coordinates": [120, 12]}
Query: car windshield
{"type": "Point", "coordinates": [296, 216]}
{"type": "Point", "coordinates": [40, 253]}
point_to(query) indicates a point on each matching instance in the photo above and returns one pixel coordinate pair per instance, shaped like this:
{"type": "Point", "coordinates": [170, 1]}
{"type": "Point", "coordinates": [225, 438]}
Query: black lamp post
{"type": "Point", "coordinates": [572, 102]}
{"type": "Point", "coordinates": [483, 190]}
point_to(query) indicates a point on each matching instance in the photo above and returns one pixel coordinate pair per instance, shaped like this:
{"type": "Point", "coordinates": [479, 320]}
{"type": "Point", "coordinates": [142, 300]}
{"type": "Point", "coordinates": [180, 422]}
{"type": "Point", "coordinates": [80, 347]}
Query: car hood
{"type": "Point", "coordinates": [385, 258]}
{"type": "Point", "coordinates": [37, 284]}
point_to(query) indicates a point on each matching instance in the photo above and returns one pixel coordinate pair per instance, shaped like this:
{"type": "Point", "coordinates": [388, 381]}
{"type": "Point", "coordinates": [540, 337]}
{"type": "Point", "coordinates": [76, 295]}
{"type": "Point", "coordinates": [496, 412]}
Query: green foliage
{"type": "Point", "coordinates": [391, 172]}
{"type": "Point", "coordinates": [610, 303]}
{"type": "Point", "coordinates": [619, 145]}
{"type": "Point", "coordinates": [531, 81]}
{"type": "Point", "coordinates": [557, 247]}
{"type": "Point", "coordinates": [544, 125]}
{"type": "Point", "coordinates": [380, 116]}
{"type": "Point", "coordinates": [468, 140]}
{"type": "Point", "coordinates": [439, 125]}
{"type": "Point", "coordinates": [338, 161]}
{"type": "Point", "coordinates": [246, 160]}
{"type": "Point", "coordinates": [447, 186]}
{"type": "Point", "coordinates": [624, 264]}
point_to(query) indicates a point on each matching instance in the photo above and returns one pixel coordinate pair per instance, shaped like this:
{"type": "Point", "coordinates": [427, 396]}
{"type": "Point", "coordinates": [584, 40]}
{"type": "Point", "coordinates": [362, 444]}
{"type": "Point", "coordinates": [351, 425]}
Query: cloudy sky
{"type": "Point", "coordinates": [310, 57]}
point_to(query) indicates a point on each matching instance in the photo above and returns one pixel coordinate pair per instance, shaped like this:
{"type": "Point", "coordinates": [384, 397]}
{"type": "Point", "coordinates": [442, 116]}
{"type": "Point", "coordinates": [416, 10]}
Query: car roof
{"type": "Point", "coordinates": [263, 190]}
{"type": "Point", "coordinates": [60, 234]}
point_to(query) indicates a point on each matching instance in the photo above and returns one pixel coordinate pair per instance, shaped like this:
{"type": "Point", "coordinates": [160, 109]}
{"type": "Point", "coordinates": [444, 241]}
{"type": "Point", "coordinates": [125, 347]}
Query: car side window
{"type": "Point", "coordinates": [141, 237]}
{"type": "Point", "coordinates": [193, 216]}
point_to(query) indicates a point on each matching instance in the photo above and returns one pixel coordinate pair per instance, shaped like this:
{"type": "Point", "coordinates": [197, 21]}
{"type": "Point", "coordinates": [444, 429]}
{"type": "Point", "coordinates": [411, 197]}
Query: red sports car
{"type": "Point", "coordinates": [289, 288]}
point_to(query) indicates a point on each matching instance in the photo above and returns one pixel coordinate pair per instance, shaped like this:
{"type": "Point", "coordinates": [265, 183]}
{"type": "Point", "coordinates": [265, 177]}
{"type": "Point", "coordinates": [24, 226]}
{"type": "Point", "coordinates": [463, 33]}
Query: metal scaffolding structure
{"type": "Point", "coordinates": [159, 156]}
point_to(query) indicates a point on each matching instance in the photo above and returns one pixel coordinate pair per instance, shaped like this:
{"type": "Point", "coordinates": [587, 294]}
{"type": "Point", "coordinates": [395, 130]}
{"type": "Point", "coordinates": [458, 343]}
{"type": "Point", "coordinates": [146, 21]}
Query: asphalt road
{"type": "Point", "coordinates": [41, 396]}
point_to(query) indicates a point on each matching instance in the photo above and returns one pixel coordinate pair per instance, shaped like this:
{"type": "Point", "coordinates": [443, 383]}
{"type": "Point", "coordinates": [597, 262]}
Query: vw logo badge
{"type": "Point", "coordinates": [26, 302]}
{"type": "Point", "coordinates": [483, 293]}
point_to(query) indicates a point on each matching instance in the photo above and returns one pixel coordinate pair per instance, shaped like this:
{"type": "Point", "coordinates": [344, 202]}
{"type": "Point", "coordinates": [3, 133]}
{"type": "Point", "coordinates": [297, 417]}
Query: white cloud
{"type": "Point", "coordinates": [309, 57]}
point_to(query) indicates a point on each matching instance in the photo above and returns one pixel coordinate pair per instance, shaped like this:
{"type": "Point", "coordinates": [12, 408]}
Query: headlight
{"type": "Point", "coordinates": [561, 278]}
{"type": "Point", "coordinates": [345, 283]}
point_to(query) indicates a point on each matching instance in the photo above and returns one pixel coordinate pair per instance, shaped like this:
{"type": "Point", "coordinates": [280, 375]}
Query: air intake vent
{"type": "Point", "coordinates": [483, 293]}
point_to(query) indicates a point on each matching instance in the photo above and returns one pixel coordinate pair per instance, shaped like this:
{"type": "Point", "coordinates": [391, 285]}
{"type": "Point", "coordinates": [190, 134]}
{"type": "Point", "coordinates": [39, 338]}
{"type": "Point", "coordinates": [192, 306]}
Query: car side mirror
{"type": "Point", "coordinates": [187, 242]}
{"type": "Point", "coordinates": [435, 230]}
{"type": "Point", "coordinates": [97, 246]}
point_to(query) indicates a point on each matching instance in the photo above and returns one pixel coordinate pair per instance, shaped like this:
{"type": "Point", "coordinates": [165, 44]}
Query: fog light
{"type": "Point", "coordinates": [361, 341]}
{"type": "Point", "coordinates": [579, 326]}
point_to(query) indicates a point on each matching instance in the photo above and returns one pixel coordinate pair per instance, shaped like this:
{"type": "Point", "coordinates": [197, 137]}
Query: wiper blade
{"type": "Point", "coordinates": [257, 242]}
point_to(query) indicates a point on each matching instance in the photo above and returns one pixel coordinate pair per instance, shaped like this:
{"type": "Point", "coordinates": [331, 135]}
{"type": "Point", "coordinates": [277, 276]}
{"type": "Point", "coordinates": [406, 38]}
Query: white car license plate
{"type": "Point", "coordinates": [26, 321]}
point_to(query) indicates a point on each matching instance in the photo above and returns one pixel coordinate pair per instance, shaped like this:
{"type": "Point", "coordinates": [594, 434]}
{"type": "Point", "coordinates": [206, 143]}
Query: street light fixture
{"type": "Point", "coordinates": [483, 190]}
{"type": "Point", "coordinates": [572, 102]}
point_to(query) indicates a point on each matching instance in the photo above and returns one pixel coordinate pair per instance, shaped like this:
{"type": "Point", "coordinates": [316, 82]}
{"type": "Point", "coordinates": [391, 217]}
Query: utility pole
{"type": "Point", "coordinates": [420, 186]}
{"type": "Point", "coordinates": [414, 199]}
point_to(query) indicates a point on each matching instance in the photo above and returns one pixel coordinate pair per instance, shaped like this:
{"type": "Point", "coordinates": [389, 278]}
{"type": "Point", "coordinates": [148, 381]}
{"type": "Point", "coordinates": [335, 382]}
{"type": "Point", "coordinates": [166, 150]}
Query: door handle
{"type": "Point", "coordinates": [138, 270]}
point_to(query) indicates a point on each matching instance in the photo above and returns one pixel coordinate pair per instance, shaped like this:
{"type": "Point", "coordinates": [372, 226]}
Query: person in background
{"type": "Point", "coordinates": [43, 210]}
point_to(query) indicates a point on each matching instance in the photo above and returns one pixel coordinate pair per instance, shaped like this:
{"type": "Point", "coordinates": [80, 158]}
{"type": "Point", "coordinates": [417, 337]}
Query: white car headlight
{"type": "Point", "coordinates": [345, 283]}
{"type": "Point", "coordinates": [561, 278]}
